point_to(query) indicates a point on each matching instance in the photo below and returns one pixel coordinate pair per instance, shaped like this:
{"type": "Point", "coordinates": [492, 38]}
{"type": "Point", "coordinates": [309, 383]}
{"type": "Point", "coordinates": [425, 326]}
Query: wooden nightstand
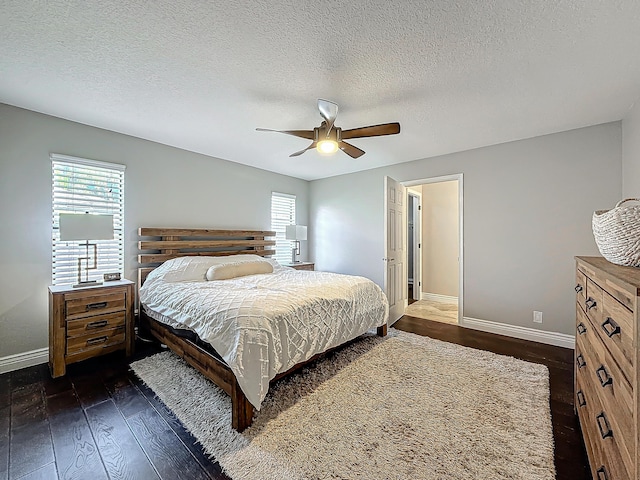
{"type": "Point", "coordinates": [302, 265]}
{"type": "Point", "coordinates": [90, 321]}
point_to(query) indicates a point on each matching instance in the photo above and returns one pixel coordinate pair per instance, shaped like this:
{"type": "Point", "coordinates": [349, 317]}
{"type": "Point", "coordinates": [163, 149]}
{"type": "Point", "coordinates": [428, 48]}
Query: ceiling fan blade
{"type": "Point", "coordinates": [350, 150]}
{"type": "Point", "coordinates": [329, 112]}
{"type": "Point", "coordinates": [296, 133]}
{"type": "Point", "coordinates": [313, 145]}
{"type": "Point", "coordinates": [372, 131]}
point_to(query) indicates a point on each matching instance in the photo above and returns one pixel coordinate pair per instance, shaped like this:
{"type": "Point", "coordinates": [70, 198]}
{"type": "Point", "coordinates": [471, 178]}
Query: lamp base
{"type": "Point", "coordinates": [88, 283]}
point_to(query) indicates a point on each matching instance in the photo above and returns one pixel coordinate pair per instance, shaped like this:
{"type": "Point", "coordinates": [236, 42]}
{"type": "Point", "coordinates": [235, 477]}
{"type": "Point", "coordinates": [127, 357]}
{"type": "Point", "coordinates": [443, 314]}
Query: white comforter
{"type": "Point", "coordinates": [262, 325]}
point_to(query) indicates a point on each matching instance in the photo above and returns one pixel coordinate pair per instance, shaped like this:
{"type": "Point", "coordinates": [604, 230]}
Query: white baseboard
{"type": "Point", "coordinates": [436, 297]}
{"type": "Point", "coordinates": [24, 360]}
{"type": "Point", "coordinates": [524, 333]}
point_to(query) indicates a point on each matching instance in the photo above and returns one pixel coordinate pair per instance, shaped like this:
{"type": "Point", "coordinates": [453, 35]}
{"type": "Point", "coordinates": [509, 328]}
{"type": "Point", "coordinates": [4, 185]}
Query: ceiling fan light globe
{"type": "Point", "coordinates": [327, 147]}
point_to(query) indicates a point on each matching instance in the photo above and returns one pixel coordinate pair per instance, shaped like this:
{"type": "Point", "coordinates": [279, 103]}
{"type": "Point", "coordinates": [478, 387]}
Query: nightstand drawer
{"type": "Point", "coordinates": [79, 304]}
{"type": "Point", "coordinates": [96, 340]}
{"type": "Point", "coordinates": [95, 324]}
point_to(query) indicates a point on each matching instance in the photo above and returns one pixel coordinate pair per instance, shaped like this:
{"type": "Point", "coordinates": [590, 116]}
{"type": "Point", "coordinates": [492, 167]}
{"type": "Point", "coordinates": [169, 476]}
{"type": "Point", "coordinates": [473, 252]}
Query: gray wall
{"type": "Point", "coordinates": [164, 186]}
{"type": "Point", "coordinates": [527, 212]}
{"type": "Point", "coordinates": [631, 153]}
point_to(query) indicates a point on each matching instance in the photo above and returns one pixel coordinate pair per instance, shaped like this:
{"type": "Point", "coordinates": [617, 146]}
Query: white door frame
{"type": "Point", "coordinates": [447, 178]}
{"type": "Point", "coordinates": [416, 240]}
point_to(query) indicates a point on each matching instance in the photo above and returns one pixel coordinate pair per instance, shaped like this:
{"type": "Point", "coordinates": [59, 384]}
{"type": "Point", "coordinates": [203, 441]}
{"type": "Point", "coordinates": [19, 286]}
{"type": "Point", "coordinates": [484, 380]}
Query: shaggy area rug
{"type": "Point", "coordinates": [399, 407]}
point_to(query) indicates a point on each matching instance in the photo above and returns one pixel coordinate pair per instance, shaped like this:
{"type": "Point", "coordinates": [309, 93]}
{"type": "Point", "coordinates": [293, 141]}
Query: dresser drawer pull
{"type": "Point", "coordinates": [578, 288]}
{"type": "Point", "coordinates": [581, 401]}
{"type": "Point", "coordinates": [615, 328]}
{"type": "Point", "coordinates": [94, 306]}
{"type": "Point", "coordinates": [603, 426]}
{"type": "Point", "coordinates": [98, 324]}
{"type": "Point", "coordinates": [581, 328]}
{"type": "Point", "coordinates": [580, 361]}
{"type": "Point", "coordinates": [602, 473]}
{"type": "Point", "coordinates": [590, 303]}
{"type": "Point", "coordinates": [603, 376]}
{"type": "Point", "coordinates": [97, 340]}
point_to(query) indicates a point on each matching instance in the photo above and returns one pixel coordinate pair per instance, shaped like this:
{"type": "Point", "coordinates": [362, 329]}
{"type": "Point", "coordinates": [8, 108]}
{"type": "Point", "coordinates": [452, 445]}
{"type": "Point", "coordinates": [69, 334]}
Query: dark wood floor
{"type": "Point", "coordinates": [100, 421]}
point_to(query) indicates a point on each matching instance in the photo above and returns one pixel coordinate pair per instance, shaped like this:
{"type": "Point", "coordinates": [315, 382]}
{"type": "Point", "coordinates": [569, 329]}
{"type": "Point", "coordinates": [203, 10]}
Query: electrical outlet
{"type": "Point", "coordinates": [537, 317]}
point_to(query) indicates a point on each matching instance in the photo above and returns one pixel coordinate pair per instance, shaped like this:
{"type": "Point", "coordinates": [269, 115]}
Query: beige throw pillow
{"type": "Point", "coordinates": [233, 270]}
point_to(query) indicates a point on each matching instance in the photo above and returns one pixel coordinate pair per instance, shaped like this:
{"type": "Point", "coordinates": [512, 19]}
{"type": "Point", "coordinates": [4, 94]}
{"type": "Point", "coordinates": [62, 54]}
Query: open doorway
{"type": "Point", "coordinates": [434, 248]}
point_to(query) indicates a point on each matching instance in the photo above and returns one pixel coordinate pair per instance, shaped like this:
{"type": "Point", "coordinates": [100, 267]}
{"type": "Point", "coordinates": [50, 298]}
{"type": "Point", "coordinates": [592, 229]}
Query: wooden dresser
{"type": "Point", "coordinates": [90, 321]}
{"type": "Point", "coordinates": [607, 374]}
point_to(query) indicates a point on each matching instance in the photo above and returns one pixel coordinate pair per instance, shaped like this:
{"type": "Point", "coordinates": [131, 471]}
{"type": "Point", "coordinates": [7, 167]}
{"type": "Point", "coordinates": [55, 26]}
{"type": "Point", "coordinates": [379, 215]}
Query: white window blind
{"type": "Point", "coordinates": [283, 213]}
{"type": "Point", "coordinates": [81, 186]}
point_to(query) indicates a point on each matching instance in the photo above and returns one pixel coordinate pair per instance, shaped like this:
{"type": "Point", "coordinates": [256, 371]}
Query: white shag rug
{"type": "Point", "coordinates": [399, 407]}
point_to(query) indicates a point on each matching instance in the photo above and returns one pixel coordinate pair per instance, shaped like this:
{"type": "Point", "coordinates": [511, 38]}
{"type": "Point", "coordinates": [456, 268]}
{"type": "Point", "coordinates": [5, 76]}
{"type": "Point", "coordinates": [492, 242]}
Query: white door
{"type": "Point", "coordinates": [395, 278]}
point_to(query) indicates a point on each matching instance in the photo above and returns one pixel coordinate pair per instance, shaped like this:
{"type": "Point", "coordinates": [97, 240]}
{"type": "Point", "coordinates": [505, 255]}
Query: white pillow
{"type": "Point", "coordinates": [194, 268]}
{"type": "Point", "coordinates": [226, 271]}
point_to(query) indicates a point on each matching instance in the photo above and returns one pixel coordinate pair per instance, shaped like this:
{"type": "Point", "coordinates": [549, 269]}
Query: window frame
{"type": "Point", "coordinates": [82, 197]}
{"type": "Point", "coordinates": [283, 246]}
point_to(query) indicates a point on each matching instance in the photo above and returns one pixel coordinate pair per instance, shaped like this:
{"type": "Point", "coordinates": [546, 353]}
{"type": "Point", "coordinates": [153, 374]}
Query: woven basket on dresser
{"type": "Point", "coordinates": [617, 233]}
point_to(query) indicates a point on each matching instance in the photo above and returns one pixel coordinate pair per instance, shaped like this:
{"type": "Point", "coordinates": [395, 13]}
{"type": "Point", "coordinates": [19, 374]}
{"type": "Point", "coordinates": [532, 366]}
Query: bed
{"type": "Point", "coordinates": [238, 317]}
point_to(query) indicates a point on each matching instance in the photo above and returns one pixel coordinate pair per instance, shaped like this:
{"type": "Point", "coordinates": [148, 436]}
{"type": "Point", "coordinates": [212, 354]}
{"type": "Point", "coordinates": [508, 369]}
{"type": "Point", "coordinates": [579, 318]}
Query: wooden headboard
{"type": "Point", "coordinates": [168, 243]}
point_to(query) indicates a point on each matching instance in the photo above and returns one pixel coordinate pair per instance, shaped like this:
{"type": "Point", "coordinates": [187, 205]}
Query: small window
{"type": "Point", "coordinates": [283, 213]}
{"type": "Point", "coordinates": [86, 186]}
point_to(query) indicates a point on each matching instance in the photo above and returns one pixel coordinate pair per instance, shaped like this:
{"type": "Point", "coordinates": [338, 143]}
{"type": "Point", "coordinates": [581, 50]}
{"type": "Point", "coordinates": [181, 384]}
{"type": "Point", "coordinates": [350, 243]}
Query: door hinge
{"type": "Point", "coordinates": [419, 207]}
{"type": "Point", "coordinates": [419, 284]}
{"type": "Point", "coordinates": [419, 245]}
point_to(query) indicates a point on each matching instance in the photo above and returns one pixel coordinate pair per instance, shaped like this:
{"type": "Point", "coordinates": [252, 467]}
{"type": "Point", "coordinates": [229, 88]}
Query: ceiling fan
{"type": "Point", "coordinates": [327, 138]}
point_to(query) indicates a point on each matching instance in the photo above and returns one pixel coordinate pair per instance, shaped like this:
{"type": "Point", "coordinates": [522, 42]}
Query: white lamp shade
{"type": "Point", "coordinates": [296, 232]}
{"type": "Point", "coordinates": [85, 226]}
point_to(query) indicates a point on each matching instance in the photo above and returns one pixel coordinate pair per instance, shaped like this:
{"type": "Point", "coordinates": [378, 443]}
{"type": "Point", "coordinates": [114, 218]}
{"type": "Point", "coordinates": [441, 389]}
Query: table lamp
{"type": "Point", "coordinates": [296, 233]}
{"type": "Point", "coordinates": [85, 227]}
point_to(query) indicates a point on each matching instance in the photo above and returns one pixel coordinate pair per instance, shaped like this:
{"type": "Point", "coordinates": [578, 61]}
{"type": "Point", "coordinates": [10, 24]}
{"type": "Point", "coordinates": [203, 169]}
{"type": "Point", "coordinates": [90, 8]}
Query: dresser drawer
{"type": "Point", "coordinates": [593, 302]}
{"type": "Point", "coordinates": [616, 331]}
{"type": "Point", "coordinates": [79, 304]}
{"type": "Point", "coordinates": [96, 340]}
{"type": "Point", "coordinates": [601, 440]}
{"type": "Point", "coordinates": [581, 288]}
{"type": "Point", "coordinates": [95, 325]}
{"type": "Point", "coordinates": [607, 387]}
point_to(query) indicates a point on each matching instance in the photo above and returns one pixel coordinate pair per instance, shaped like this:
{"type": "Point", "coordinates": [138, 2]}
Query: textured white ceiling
{"type": "Point", "coordinates": [202, 75]}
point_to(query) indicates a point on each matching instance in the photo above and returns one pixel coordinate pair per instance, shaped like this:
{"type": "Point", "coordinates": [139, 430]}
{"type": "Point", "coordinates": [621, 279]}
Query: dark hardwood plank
{"type": "Point", "coordinates": [211, 467]}
{"type": "Point", "coordinates": [120, 452]}
{"type": "Point", "coordinates": [47, 472]}
{"type": "Point", "coordinates": [167, 453]}
{"type": "Point", "coordinates": [75, 450]}
{"type": "Point", "coordinates": [30, 448]}
{"type": "Point", "coordinates": [5, 413]}
{"type": "Point", "coordinates": [5, 390]}
{"type": "Point", "coordinates": [90, 389]}
{"type": "Point", "coordinates": [127, 398]}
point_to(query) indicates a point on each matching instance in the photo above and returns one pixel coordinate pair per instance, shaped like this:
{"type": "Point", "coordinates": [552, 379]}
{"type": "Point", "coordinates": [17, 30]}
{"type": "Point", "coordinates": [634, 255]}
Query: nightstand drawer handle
{"type": "Point", "coordinates": [578, 288]}
{"type": "Point", "coordinates": [602, 473]}
{"type": "Point", "coordinates": [580, 361]}
{"type": "Point", "coordinates": [615, 328]}
{"type": "Point", "coordinates": [581, 328]}
{"type": "Point", "coordinates": [581, 401]}
{"type": "Point", "coordinates": [93, 306]}
{"type": "Point", "coordinates": [97, 340]}
{"type": "Point", "coordinates": [590, 303]}
{"type": "Point", "coordinates": [603, 426]}
{"type": "Point", "coordinates": [603, 376]}
{"type": "Point", "coordinates": [98, 324]}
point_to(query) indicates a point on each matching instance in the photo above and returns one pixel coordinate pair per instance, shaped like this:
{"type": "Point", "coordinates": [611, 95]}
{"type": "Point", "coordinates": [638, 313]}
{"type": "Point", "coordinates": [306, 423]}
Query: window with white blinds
{"type": "Point", "coordinates": [283, 213]}
{"type": "Point", "coordinates": [86, 186]}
